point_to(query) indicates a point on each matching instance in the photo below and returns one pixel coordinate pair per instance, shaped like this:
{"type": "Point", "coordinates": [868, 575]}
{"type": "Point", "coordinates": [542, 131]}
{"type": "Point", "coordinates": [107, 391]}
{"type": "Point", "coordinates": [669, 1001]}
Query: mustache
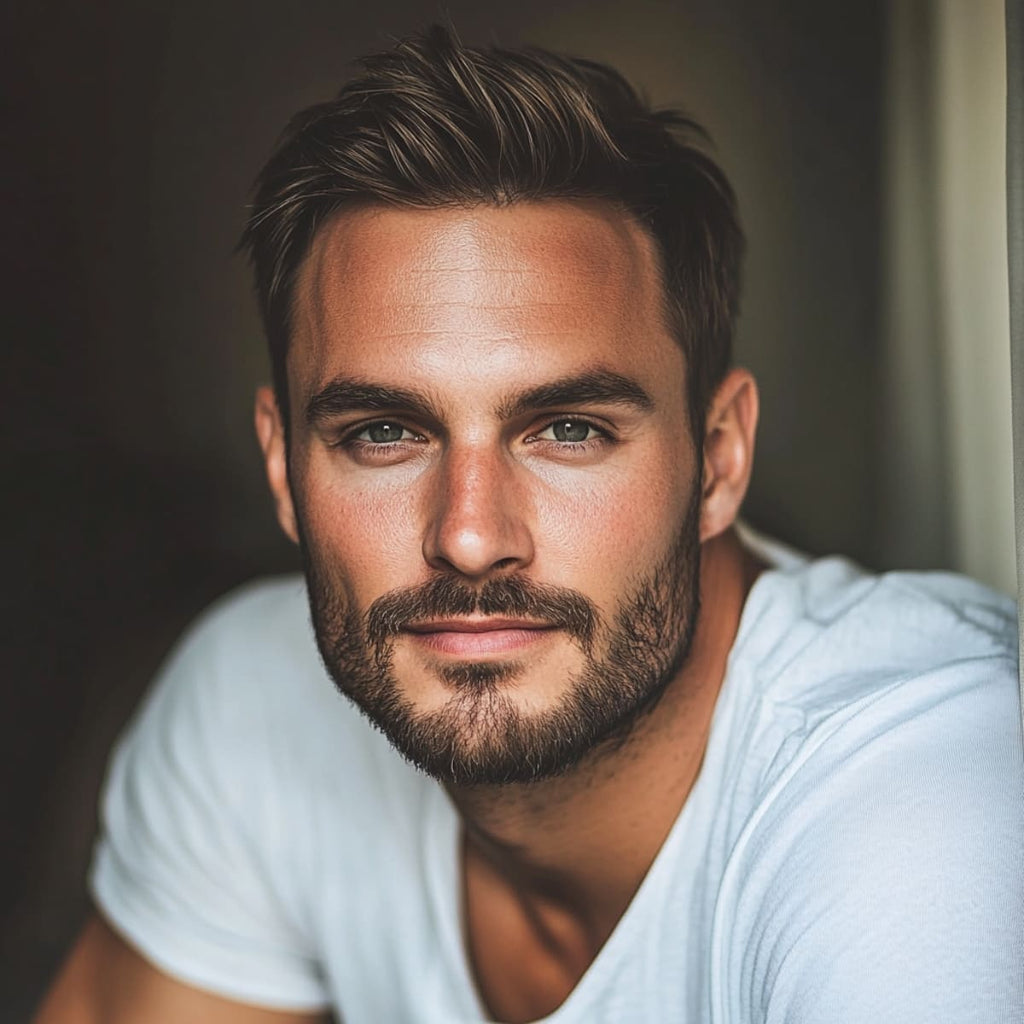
{"type": "Point", "coordinates": [510, 596]}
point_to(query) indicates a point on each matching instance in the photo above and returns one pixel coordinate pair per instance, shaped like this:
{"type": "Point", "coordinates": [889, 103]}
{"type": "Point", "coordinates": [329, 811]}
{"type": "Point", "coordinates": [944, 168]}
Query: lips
{"type": "Point", "coordinates": [475, 637]}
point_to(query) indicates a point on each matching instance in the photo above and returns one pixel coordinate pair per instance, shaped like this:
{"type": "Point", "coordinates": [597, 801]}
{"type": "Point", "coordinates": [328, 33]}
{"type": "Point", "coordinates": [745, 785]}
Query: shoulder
{"type": "Point", "coordinates": [824, 637]}
{"type": "Point", "coordinates": [265, 617]}
{"type": "Point", "coordinates": [881, 873]}
{"type": "Point", "coordinates": [244, 660]}
{"type": "Point", "coordinates": [245, 693]}
{"type": "Point", "coordinates": [245, 787]}
{"type": "Point", "coordinates": [251, 654]}
{"type": "Point", "coordinates": [832, 660]}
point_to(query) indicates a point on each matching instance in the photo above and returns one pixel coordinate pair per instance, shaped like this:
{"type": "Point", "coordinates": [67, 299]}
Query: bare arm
{"type": "Point", "coordinates": [104, 981]}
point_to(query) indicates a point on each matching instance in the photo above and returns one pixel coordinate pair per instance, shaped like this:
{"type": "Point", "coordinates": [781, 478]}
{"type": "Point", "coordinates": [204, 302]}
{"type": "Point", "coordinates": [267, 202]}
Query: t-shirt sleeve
{"type": "Point", "coordinates": [883, 882]}
{"type": "Point", "coordinates": [181, 868]}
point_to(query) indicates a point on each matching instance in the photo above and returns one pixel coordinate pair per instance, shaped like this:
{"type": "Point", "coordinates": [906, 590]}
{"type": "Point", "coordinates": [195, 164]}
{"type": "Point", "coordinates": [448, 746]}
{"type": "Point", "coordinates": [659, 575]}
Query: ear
{"type": "Point", "coordinates": [728, 452]}
{"type": "Point", "coordinates": [270, 431]}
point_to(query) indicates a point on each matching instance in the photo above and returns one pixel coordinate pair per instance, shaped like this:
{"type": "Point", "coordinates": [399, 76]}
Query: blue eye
{"type": "Point", "coordinates": [569, 431]}
{"type": "Point", "coordinates": [381, 442]}
{"type": "Point", "coordinates": [383, 433]}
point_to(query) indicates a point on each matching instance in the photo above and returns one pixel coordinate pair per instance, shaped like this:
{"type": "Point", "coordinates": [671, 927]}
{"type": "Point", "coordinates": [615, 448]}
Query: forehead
{"type": "Point", "coordinates": [549, 286]}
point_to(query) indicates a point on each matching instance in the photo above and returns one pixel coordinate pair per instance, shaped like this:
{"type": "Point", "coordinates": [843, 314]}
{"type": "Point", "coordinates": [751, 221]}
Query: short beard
{"type": "Point", "coordinates": [479, 737]}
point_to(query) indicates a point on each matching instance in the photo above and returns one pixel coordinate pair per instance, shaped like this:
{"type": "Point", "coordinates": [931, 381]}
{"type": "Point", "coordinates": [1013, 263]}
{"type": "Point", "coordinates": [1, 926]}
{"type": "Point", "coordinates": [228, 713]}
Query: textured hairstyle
{"type": "Point", "coordinates": [434, 123]}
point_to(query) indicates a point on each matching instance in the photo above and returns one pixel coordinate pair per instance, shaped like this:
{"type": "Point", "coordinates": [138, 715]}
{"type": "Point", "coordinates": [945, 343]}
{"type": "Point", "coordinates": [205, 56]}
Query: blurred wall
{"type": "Point", "coordinates": [134, 491]}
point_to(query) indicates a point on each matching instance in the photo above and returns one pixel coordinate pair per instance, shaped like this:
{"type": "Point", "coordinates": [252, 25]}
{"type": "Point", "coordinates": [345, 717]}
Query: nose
{"type": "Point", "coordinates": [477, 522]}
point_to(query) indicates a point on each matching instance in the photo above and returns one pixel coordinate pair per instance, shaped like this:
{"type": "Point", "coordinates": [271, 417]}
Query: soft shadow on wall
{"type": "Point", "coordinates": [135, 490]}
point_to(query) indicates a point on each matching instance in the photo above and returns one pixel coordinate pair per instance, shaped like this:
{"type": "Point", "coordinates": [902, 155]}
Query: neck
{"type": "Point", "coordinates": [573, 850]}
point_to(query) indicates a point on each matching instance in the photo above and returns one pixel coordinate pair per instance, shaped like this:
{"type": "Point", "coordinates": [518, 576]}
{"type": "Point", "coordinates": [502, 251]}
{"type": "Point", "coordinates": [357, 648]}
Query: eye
{"type": "Point", "coordinates": [569, 431]}
{"type": "Point", "coordinates": [385, 432]}
{"type": "Point", "coordinates": [380, 441]}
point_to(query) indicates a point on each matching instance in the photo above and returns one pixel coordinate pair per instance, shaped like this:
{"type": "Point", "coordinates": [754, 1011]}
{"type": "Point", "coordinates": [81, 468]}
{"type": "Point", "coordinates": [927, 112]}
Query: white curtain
{"type": "Point", "coordinates": [948, 463]}
{"type": "Point", "coordinates": [1015, 254]}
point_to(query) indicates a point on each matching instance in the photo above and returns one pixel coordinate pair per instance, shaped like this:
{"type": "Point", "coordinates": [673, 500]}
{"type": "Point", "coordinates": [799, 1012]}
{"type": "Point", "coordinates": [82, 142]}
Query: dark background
{"type": "Point", "coordinates": [132, 487]}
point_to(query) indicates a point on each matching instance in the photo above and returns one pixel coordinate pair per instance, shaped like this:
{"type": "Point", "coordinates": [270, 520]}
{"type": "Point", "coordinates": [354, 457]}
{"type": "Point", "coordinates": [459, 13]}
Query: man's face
{"type": "Point", "coordinates": [494, 482]}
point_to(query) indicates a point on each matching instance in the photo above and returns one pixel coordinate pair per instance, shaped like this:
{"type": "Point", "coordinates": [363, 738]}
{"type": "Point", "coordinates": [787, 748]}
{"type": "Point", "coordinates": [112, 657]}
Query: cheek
{"type": "Point", "coordinates": [613, 526]}
{"type": "Point", "coordinates": [364, 533]}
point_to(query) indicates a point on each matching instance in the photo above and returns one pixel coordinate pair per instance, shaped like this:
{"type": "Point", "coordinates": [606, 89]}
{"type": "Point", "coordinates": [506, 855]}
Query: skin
{"type": "Point", "coordinates": [104, 981]}
{"type": "Point", "coordinates": [471, 307]}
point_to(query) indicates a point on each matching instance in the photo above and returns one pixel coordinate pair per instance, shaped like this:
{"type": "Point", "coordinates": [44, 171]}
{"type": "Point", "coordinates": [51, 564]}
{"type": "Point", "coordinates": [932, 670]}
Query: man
{"type": "Point", "coordinates": [650, 771]}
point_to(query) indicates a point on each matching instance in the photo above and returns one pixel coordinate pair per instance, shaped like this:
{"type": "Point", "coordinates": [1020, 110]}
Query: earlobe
{"type": "Point", "coordinates": [728, 451]}
{"type": "Point", "coordinates": [270, 432]}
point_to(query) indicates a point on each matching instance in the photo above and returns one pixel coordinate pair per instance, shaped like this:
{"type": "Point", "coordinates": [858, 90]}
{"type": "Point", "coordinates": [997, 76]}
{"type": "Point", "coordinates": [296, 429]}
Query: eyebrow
{"type": "Point", "coordinates": [344, 395]}
{"type": "Point", "coordinates": [595, 386]}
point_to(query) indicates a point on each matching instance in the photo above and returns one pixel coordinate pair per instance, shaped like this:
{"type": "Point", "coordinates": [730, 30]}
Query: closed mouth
{"type": "Point", "coordinates": [479, 638]}
{"type": "Point", "coordinates": [462, 625]}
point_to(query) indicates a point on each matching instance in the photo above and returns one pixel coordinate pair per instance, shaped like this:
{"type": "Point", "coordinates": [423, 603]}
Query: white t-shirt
{"type": "Point", "coordinates": [851, 853]}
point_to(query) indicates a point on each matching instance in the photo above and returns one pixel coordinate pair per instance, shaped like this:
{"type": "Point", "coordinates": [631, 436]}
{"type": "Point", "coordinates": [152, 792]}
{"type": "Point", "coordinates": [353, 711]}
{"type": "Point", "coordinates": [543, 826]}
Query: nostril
{"type": "Point", "coordinates": [506, 563]}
